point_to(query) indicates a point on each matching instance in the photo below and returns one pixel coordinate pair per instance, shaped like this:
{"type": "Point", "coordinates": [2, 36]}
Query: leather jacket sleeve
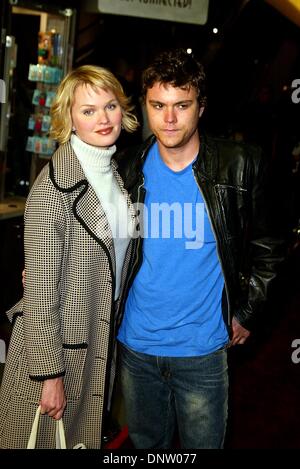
{"type": "Point", "coordinates": [266, 251]}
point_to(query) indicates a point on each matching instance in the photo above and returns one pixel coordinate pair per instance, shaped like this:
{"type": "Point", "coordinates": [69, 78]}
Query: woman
{"type": "Point", "coordinates": [78, 223]}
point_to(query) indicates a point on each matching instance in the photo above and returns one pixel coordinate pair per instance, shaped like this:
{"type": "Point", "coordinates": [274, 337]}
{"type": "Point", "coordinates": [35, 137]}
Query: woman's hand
{"type": "Point", "coordinates": [53, 400]}
{"type": "Point", "coordinates": [23, 278]}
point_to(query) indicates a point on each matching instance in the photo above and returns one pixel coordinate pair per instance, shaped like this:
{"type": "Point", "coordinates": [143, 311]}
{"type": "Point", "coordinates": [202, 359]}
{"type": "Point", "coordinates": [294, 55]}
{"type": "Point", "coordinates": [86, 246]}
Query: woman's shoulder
{"type": "Point", "coordinates": [65, 169]}
{"type": "Point", "coordinates": [56, 161]}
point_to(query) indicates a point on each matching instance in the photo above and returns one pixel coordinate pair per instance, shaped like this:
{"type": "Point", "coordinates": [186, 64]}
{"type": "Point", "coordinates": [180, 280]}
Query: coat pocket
{"type": "Point", "coordinates": [26, 388]}
{"type": "Point", "coordinates": [74, 359]}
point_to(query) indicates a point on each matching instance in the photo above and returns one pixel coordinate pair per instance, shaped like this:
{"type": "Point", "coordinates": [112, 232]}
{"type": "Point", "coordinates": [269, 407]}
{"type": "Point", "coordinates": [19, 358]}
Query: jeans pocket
{"type": "Point", "coordinates": [224, 348]}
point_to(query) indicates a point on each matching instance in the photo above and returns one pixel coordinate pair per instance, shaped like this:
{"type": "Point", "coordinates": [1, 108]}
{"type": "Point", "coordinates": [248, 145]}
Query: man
{"type": "Point", "coordinates": [203, 221]}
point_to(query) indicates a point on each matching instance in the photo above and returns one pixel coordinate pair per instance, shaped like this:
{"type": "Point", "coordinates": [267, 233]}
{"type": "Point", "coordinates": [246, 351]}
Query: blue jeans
{"type": "Point", "coordinates": [160, 391]}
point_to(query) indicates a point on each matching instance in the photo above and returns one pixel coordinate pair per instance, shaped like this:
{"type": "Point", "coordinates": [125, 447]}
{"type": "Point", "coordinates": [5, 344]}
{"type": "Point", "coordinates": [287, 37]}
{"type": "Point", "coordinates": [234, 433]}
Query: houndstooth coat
{"type": "Point", "coordinates": [64, 325]}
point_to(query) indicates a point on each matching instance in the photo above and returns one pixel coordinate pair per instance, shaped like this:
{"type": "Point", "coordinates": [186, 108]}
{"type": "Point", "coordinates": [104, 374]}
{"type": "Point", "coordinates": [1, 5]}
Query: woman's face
{"type": "Point", "coordinates": [96, 116]}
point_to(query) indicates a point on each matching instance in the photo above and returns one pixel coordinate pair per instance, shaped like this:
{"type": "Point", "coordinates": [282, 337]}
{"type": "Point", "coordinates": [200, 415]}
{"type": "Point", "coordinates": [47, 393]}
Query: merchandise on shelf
{"type": "Point", "coordinates": [47, 74]}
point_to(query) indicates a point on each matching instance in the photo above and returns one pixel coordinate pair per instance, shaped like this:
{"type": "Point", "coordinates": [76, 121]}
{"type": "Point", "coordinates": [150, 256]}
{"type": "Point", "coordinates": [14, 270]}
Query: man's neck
{"type": "Point", "coordinates": [179, 158]}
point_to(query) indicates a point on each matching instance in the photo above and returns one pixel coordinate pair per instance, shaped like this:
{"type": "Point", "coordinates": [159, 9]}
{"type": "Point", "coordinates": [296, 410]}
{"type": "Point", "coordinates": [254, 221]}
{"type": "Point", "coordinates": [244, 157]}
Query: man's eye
{"type": "Point", "coordinates": [157, 106]}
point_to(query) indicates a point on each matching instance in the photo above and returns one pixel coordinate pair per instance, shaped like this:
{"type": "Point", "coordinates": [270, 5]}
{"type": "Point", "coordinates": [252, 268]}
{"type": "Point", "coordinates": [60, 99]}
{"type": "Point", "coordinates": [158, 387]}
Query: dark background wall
{"type": "Point", "coordinates": [250, 66]}
{"type": "Point", "coordinates": [255, 47]}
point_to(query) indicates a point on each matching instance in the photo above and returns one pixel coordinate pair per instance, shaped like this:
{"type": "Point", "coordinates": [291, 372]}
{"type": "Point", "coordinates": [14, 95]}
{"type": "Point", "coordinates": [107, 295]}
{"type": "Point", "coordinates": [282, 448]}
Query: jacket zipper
{"type": "Point", "coordinates": [237, 189]}
{"type": "Point", "coordinates": [219, 257]}
{"type": "Point", "coordinates": [129, 276]}
{"type": "Point", "coordinates": [138, 242]}
{"type": "Point", "coordinates": [139, 238]}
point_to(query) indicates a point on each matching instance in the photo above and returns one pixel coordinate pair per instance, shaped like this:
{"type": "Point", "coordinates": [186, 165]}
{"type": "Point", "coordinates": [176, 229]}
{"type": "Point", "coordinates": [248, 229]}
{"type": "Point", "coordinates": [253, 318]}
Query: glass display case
{"type": "Point", "coordinates": [37, 54]}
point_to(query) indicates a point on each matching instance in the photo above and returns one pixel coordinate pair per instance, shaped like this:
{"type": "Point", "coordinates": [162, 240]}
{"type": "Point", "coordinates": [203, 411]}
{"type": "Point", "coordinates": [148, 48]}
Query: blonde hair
{"type": "Point", "coordinates": [96, 77]}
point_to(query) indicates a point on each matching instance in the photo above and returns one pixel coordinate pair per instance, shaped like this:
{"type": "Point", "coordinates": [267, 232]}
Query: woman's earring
{"type": "Point", "coordinates": [73, 129]}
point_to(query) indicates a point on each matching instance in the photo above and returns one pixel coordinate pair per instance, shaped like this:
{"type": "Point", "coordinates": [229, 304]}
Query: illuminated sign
{"type": "Point", "coordinates": [183, 11]}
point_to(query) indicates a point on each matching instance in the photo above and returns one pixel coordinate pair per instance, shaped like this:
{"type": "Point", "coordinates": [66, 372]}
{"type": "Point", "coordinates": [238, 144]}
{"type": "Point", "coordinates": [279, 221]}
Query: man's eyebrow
{"type": "Point", "coordinates": [184, 101]}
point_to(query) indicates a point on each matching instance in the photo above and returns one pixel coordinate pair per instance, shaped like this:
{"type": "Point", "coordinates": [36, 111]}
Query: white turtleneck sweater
{"type": "Point", "coordinates": [96, 165]}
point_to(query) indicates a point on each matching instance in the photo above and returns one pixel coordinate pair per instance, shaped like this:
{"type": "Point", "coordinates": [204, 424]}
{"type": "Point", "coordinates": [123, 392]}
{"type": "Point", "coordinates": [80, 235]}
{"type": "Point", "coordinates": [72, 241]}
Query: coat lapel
{"type": "Point", "coordinates": [67, 175]}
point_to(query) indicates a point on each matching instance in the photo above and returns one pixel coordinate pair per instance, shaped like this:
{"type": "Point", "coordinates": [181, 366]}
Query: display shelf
{"type": "Point", "coordinates": [12, 207]}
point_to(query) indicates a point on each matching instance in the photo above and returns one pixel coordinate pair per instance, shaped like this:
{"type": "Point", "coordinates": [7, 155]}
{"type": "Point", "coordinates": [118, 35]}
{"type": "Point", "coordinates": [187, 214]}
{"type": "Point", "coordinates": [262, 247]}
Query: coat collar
{"type": "Point", "coordinates": [67, 176]}
{"type": "Point", "coordinates": [66, 172]}
{"type": "Point", "coordinates": [130, 161]}
{"type": "Point", "coordinates": [207, 159]}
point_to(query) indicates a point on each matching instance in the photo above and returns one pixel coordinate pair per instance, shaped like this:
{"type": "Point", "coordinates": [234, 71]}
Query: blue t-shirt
{"type": "Point", "coordinates": [174, 304]}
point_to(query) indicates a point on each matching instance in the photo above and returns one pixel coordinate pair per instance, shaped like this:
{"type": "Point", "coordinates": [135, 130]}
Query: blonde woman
{"type": "Point", "coordinates": [78, 224]}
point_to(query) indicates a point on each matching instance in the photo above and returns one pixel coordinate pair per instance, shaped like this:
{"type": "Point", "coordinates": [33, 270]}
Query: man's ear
{"type": "Point", "coordinates": [201, 110]}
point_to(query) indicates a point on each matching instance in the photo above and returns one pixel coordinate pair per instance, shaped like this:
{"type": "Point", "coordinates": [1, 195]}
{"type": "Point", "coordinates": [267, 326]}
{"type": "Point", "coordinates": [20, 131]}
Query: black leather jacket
{"type": "Point", "coordinates": [232, 179]}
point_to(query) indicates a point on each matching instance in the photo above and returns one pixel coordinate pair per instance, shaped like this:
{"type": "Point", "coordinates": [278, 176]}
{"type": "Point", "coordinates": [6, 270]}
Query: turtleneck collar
{"type": "Point", "coordinates": [96, 158]}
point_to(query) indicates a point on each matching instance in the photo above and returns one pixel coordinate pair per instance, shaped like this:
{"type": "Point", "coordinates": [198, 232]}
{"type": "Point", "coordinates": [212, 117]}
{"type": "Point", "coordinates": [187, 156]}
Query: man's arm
{"type": "Point", "coordinates": [267, 248]}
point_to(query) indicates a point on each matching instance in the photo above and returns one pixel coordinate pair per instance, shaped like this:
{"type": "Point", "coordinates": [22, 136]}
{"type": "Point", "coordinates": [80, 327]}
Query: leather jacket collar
{"type": "Point", "coordinates": [130, 161]}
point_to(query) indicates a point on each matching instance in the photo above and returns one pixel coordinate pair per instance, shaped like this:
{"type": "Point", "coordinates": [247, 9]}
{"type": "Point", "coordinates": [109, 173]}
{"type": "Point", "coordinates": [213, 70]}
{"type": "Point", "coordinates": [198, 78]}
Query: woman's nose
{"type": "Point", "coordinates": [102, 116]}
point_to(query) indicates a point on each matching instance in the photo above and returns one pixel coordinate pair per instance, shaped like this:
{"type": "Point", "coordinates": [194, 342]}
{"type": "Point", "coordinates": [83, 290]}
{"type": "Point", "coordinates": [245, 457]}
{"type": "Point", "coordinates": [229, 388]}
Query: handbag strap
{"type": "Point", "coordinates": [33, 434]}
{"type": "Point", "coordinates": [59, 436]}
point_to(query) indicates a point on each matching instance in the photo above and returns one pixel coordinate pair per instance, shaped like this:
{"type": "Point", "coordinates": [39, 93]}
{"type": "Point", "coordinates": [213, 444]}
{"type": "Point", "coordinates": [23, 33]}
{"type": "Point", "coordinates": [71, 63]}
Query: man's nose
{"type": "Point", "coordinates": [170, 115]}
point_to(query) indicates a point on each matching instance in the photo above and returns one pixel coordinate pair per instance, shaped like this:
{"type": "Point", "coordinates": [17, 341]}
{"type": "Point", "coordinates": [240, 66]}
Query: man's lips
{"type": "Point", "coordinates": [169, 131]}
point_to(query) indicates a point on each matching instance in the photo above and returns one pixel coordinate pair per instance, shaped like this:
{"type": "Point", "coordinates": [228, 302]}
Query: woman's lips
{"type": "Point", "coordinates": [105, 131]}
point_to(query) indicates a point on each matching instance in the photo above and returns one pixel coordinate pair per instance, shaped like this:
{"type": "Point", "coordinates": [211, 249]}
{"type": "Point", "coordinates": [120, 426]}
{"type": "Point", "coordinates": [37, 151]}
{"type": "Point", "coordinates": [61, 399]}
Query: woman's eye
{"type": "Point", "coordinates": [88, 112]}
{"type": "Point", "coordinates": [111, 106]}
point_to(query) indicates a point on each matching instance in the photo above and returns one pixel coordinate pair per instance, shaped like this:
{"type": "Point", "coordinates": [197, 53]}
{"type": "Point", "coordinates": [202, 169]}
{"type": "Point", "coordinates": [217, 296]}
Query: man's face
{"type": "Point", "coordinates": [173, 114]}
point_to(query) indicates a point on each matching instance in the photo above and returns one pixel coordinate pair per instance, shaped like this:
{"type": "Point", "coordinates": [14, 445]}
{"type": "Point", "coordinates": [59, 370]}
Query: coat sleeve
{"type": "Point", "coordinates": [43, 243]}
{"type": "Point", "coordinates": [266, 247]}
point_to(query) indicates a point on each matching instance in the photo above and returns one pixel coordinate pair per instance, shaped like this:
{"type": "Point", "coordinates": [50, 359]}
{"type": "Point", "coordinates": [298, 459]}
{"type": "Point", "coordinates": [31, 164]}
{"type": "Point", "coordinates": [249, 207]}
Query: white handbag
{"type": "Point", "coordinates": [60, 432]}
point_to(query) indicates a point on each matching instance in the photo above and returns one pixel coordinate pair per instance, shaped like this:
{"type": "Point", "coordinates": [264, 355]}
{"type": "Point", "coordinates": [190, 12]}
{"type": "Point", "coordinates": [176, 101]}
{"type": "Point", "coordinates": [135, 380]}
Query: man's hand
{"type": "Point", "coordinates": [53, 400]}
{"type": "Point", "coordinates": [239, 333]}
